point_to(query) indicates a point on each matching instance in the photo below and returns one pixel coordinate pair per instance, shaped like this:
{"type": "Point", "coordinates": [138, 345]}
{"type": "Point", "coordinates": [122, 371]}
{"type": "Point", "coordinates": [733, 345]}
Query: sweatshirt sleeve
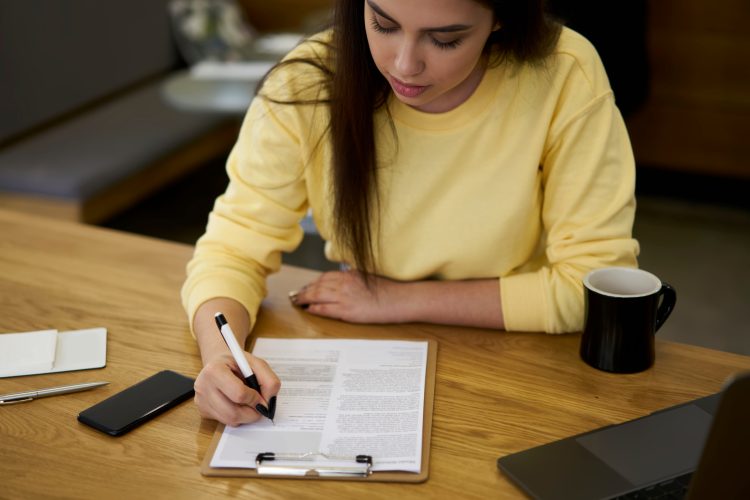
{"type": "Point", "coordinates": [254, 220]}
{"type": "Point", "coordinates": [588, 182]}
{"type": "Point", "coordinates": [258, 216]}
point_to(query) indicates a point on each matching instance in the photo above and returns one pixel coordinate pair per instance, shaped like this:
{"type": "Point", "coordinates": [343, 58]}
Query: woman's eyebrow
{"type": "Point", "coordinates": [451, 28]}
{"type": "Point", "coordinates": [380, 11]}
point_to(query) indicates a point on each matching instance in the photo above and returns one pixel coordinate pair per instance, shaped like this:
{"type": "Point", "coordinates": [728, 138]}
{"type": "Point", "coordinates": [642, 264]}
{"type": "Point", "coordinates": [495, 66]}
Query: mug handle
{"type": "Point", "coordinates": [668, 300]}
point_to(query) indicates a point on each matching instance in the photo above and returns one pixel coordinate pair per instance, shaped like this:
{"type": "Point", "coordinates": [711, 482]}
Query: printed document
{"type": "Point", "coordinates": [341, 398]}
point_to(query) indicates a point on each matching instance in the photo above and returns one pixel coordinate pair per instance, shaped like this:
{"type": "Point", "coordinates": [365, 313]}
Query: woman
{"type": "Point", "coordinates": [464, 157]}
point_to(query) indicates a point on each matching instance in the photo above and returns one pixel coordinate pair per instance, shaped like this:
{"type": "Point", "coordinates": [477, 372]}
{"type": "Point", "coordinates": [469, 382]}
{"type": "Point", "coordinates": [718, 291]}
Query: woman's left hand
{"type": "Point", "coordinates": [344, 295]}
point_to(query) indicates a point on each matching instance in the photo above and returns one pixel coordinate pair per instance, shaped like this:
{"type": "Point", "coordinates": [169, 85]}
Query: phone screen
{"type": "Point", "coordinates": [138, 403]}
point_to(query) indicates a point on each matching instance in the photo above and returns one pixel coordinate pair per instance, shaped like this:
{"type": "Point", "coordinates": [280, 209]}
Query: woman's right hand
{"type": "Point", "coordinates": [220, 390]}
{"type": "Point", "coordinates": [221, 394]}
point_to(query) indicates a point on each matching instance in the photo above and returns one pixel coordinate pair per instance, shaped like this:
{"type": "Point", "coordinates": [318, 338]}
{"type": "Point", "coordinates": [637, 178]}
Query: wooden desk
{"type": "Point", "coordinates": [496, 393]}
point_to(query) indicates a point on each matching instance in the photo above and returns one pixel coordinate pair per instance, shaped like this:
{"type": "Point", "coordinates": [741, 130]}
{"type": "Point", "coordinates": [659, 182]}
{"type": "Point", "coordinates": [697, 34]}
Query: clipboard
{"type": "Point", "coordinates": [359, 462]}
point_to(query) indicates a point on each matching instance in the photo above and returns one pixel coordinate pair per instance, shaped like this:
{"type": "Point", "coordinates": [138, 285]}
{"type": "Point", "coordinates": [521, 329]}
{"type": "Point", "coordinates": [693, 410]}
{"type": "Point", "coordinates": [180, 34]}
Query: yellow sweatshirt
{"type": "Point", "coordinates": [531, 180]}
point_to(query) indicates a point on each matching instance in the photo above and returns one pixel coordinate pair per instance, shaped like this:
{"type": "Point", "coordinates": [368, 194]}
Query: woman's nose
{"type": "Point", "coordinates": [409, 61]}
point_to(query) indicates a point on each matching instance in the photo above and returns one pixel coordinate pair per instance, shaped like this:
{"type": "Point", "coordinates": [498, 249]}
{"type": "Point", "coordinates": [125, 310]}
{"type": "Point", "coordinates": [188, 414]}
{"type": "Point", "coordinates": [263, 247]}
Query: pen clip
{"type": "Point", "coordinates": [14, 401]}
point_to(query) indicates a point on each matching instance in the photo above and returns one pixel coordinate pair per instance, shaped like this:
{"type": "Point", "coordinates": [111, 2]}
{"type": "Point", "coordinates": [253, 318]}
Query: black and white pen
{"type": "Point", "coordinates": [239, 357]}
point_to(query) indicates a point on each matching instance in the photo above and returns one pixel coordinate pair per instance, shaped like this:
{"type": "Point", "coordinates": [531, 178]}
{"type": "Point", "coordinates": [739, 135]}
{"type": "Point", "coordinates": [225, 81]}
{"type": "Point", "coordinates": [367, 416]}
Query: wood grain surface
{"type": "Point", "coordinates": [496, 392]}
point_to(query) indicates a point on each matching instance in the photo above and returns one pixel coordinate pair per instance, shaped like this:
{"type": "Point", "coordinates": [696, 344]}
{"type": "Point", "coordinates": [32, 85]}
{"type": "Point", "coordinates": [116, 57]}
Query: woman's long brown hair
{"type": "Point", "coordinates": [356, 90]}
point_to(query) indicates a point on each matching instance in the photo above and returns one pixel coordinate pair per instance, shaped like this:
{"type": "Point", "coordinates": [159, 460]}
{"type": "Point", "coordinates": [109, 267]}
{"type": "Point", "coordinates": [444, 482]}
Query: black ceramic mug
{"type": "Point", "coordinates": [624, 309]}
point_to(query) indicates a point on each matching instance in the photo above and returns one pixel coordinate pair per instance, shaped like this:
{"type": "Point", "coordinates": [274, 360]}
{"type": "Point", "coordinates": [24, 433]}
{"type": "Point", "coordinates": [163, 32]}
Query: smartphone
{"type": "Point", "coordinates": [139, 403]}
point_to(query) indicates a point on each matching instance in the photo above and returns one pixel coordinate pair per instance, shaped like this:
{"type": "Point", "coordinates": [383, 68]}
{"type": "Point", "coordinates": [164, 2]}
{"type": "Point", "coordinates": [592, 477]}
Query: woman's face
{"type": "Point", "coordinates": [429, 50]}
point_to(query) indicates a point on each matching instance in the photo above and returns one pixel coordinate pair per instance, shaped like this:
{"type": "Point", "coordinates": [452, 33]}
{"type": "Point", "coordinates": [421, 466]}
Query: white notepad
{"type": "Point", "coordinates": [50, 351]}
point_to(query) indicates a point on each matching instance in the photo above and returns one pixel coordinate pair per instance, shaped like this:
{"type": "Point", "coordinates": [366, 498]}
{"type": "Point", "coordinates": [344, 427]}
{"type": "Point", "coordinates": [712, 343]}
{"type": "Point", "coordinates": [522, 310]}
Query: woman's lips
{"type": "Point", "coordinates": [405, 89]}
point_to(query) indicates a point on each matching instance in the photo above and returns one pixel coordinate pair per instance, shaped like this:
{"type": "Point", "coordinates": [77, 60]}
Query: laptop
{"type": "Point", "coordinates": [699, 449]}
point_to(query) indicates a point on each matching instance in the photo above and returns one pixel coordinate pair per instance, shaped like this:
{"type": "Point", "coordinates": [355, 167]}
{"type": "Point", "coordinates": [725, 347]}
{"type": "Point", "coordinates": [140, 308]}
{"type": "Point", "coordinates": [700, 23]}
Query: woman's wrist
{"type": "Point", "coordinates": [211, 351]}
{"type": "Point", "coordinates": [210, 341]}
{"type": "Point", "coordinates": [398, 300]}
{"type": "Point", "coordinates": [418, 301]}
{"type": "Point", "coordinates": [409, 301]}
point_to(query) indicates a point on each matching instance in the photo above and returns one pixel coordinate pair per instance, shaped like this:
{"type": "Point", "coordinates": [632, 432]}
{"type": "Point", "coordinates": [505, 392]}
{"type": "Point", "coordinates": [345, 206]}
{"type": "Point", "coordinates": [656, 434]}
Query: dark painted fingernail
{"type": "Point", "coordinates": [262, 410]}
{"type": "Point", "coordinates": [272, 408]}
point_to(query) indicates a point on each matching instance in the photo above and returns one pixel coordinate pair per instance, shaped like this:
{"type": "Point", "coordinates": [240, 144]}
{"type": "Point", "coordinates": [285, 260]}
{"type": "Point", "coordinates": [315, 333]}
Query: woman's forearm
{"type": "Point", "coordinates": [347, 296]}
{"type": "Point", "coordinates": [465, 303]}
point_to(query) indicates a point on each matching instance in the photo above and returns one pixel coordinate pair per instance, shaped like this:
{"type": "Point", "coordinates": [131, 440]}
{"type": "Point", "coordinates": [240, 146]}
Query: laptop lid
{"type": "Point", "coordinates": [613, 460]}
{"type": "Point", "coordinates": [724, 467]}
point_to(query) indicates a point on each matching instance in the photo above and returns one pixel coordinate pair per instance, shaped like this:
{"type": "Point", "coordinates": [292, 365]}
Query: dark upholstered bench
{"type": "Point", "coordinates": [84, 129]}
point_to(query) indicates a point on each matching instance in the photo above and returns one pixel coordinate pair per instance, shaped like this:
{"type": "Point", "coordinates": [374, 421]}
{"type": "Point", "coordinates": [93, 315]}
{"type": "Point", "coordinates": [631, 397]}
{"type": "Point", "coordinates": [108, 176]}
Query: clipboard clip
{"type": "Point", "coordinates": [361, 465]}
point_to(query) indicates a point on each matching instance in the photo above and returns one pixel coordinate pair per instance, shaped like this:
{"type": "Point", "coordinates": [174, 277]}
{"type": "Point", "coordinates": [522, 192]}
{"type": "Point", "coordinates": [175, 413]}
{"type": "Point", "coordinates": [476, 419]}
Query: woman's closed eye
{"type": "Point", "coordinates": [445, 45]}
{"type": "Point", "coordinates": [380, 27]}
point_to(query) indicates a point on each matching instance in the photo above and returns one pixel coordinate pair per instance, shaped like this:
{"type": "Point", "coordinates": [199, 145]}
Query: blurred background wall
{"type": "Point", "coordinates": [285, 15]}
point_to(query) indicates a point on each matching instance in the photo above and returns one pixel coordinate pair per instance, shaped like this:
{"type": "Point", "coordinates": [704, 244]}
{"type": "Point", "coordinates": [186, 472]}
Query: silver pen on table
{"type": "Point", "coordinates": [20, 397]}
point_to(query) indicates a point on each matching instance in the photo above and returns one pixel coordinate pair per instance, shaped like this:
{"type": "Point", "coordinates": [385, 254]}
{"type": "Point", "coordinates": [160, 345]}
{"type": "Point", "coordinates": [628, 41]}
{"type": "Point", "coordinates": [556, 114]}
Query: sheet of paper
{"type": "Point", "coordinates": [338, 397]}
{"type": "Point", "coordinates": [27, 353]}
